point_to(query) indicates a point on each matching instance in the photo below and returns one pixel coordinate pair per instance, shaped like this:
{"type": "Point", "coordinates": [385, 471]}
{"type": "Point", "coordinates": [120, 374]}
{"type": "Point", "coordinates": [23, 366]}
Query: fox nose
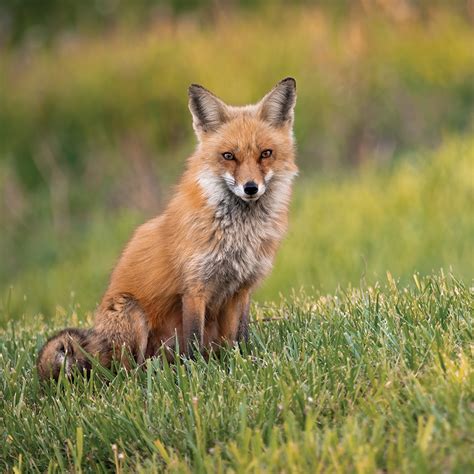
{"type": "Point", "coordinates": [250, 188]}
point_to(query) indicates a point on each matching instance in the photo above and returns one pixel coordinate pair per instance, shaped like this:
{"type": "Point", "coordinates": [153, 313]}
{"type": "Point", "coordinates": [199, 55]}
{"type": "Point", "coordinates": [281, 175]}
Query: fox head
{"type": "Point", "coordinates": [244, 150]}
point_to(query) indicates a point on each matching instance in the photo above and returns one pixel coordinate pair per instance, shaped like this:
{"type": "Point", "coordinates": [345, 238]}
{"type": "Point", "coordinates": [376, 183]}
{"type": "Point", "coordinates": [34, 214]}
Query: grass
{"type": "Point", "coordinates": [371, 379]}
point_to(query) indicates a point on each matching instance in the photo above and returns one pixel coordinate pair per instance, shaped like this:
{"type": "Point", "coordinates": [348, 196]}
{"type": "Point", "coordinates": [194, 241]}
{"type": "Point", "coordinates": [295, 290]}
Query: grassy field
{"type": "Point", "coordinates": [371, 379]}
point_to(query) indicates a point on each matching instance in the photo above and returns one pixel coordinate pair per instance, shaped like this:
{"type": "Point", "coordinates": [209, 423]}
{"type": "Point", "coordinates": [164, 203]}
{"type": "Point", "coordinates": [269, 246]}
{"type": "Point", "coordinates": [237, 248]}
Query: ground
{"type": "Point", "coordinates": [368, 379]}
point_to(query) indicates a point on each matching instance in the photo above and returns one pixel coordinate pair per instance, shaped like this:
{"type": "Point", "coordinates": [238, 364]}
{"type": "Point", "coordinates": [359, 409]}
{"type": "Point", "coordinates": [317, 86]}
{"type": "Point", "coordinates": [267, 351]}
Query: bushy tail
{"type": "Point", "coordinates": [69, 349]}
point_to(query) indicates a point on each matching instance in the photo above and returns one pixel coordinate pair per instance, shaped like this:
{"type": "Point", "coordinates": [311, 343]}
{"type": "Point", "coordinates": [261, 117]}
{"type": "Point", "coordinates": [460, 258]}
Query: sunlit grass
{"type": "Point", "coordinates": [366, 380]}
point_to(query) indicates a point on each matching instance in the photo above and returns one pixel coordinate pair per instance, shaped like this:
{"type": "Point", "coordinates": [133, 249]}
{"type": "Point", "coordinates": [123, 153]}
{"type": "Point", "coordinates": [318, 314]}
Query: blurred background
{"type": "Point", "coordinates": [94, 131]}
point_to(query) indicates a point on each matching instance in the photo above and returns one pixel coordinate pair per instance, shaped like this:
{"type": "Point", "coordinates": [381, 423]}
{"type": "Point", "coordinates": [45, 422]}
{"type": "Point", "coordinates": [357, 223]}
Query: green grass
{"type": "Point", "coordinates": [370, 379]}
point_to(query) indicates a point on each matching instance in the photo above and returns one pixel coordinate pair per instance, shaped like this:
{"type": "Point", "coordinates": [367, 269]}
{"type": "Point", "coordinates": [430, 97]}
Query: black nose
{"type": "Point", "coordinates": [250, 188]}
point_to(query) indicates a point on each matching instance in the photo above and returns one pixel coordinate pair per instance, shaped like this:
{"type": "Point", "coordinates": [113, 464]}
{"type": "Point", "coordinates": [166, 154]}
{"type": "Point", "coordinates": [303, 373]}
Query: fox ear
{"type": "Point", "coordinates": [278, 105]}
{"type": "Point", "coordinates": [208, 111]}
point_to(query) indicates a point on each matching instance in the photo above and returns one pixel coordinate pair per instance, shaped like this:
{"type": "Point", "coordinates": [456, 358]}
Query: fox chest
{"type": "Point", "coordinates": [240, 249]}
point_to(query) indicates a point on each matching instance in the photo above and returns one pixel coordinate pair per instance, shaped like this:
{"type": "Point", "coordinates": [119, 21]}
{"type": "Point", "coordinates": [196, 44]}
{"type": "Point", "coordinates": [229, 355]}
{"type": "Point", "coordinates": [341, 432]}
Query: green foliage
{"type": "Point", "coordinates": [91, 104]}
{"type": "Point", "coordinates": [347, 229]}
{"type": "Point", "coordinates": [416, 217]}
{"type": "Point", "coordinates": [23, 21]}
{"type": "Point", "coordinates": [377, 379]}
{"type": "Point", "coordinates": [94, 128]}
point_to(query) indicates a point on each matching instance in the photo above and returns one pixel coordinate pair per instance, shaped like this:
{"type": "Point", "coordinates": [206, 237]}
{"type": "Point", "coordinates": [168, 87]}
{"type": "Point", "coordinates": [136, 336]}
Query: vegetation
{"type": "Point", "coordinates": [373, 379]}
{"type": "Point", "coordinates": [363, 362]}
{"type": "Point", "coordinates": [350, 229]}
{"type": "Point", "coordinates": [95, 125]}
{"type": "Point", "coordinates": [343, 229]}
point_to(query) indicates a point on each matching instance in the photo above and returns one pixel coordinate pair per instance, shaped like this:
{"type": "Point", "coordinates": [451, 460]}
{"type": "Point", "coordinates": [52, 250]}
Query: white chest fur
{"type": "Point", "coordinates": [238, 252]}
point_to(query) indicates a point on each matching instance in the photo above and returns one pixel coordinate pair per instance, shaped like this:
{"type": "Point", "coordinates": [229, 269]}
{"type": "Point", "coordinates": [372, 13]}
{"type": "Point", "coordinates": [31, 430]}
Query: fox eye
{"type": "Point", "coordinates": [228, 156]}
{"type": "Point", "coordinates": [266, 154]}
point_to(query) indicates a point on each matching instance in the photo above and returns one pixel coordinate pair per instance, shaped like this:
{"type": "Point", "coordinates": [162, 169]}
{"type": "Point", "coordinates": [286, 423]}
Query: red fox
{"type": "Point", "coordinates": [184, 280]}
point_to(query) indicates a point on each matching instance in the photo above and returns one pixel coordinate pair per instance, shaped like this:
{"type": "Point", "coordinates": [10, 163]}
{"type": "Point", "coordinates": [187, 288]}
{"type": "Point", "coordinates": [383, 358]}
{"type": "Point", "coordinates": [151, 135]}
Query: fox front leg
{"type": "Point", "coordinates": [194, 309]}
{"type": "Point", "coordinates": [243, 331]}
{"type": "Point", "coordinates": [233, 321]}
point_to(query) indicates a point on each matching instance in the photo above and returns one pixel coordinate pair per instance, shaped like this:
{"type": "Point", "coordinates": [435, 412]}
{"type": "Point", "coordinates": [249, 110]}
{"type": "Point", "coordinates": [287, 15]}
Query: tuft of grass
{"type": "Point", "coordinates": [369, 379]}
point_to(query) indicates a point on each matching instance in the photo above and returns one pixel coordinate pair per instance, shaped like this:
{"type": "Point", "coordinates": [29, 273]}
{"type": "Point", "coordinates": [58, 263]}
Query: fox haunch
{"type": "Point", "coordinates": [186, 277]}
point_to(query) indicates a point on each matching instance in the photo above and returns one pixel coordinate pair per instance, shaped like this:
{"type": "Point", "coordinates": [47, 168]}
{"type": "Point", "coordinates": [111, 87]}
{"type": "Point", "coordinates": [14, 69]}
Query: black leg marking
{"type": "Point", "coordinates": [243, 331]}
